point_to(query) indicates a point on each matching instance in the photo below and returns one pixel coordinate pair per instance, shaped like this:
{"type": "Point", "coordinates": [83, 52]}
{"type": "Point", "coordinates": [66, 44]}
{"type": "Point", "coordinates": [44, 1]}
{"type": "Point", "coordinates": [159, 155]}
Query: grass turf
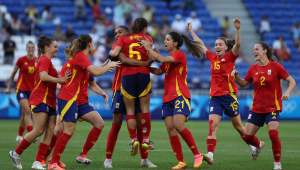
{"type": "Point", "coordinates": [231, 152]}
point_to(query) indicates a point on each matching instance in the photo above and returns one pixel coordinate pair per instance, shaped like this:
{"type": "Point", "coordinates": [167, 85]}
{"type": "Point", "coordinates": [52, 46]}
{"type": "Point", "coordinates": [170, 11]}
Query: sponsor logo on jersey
{"type": "Point", "coordinates": [269, 72]}
{"type": "Point", "coordinates": [192, 147]}
{"type": "Point", "coordinates": [256, 73]}
{"type": "Point", "coordinates": [68, 65]}
{"type": "Point", "coordinates": [117, 105]}
{"type": "Point", "coordinates": [274, 117]}
{"type": "Point", "coordinates": [21, 95]}
{"type": "Point", "coordinates": [235, 113]}
{"type": "Point", "coordinates": [249, 117]}
{"type": "Point", "coordinates": [179, 110]}
{"type": "Point", "coordinates": [211, 109]}
{"type": "Point", "coordinates": [26, 63]}
{"type": "Point", "coordinates": [109, 152]}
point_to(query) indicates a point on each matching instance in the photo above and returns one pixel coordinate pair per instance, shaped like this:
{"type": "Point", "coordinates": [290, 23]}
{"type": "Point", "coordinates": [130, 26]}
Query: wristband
{"type": "Point", "coordinates": [153, 47]}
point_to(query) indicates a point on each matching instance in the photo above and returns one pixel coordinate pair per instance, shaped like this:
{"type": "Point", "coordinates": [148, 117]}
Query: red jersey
{"type": "Point", "coordinates": [83, 94]}
{"type": "Point", "coordinates": [175, 79]}
{"type": "Point", "coordinates": [26, 77]}
{"type": "Point", "coordinates": [117, 79]}
{"type": "Point", "coordinates": [267, 87]}
{"type": "Point", "coordinates": [77, 66]}
{"type": "Point", "coordinates": [222, 83]}
{"type": "Point", "coordinates": [132, 50]}
{"type": "Point", "coordinates": [44, 92]}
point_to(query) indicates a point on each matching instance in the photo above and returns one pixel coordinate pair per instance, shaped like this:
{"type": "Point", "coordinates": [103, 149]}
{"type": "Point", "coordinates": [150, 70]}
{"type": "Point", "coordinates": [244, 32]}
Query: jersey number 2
{"type": "Point", "coordinates": [262, 80]}
{"type": "Point", "coordinates": [131, 52]}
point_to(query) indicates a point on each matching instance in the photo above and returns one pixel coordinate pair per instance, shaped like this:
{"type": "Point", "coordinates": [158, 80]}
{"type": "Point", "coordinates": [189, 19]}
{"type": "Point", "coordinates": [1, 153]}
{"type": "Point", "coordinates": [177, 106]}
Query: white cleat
{"type": "Point", "coordinates": [277, 165]}
{"type": "Point", "coordinates": [37, 165]}
{"type": "Point", "coordinates": [107, 163]}
{"type": "Point", "coordinates": [252, 149]}
{"type": "Point", "coordinates": [83, 159]}
{"type": "Point", "coordinates": [35, 140]}
{"type": "Point", "coordinates": [19, 139]}
{"type": "Point", "coordinates": [256, 152]}
{"type": "Point", "coordinates": [209, 158]}
{"type": "Point", "coordinates": [147, 163]}
{"type": "Point", "coordinates": [15, 159]}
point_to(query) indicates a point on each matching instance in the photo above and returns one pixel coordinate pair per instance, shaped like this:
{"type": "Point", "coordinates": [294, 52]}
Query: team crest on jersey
{"type": "Point", "coordinates": [256, 73]}
{"type": "Point", "coordinates": [21, 95]}
{"type": "Point", "coordinates": [68, 65]}
{"type": "Point", "coordinates": [269, 72]}
{"type": "Point", "coordinates": [26, 63]}
{"type": "Point", "coordinates": [117, 105]}
{"type": "Point", "coordinates": [76, 115]}
{"type": "Point", "coordinates": [249, 117]}
{"type": "Point", "coordinates": [211, 109]}
{"type": "Point", "coordinates": [223, 59]}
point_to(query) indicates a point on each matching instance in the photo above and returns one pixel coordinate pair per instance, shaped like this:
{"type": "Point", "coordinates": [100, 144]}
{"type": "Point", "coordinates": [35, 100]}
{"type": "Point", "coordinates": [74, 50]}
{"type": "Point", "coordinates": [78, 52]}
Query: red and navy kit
{"type": "Point", "coordinates": [69, 91]}
{"type": "Point", "coordinates": [43, 93]}
{"type": "Point", "coordinates": [25, 82]}
{"type": "Point", "coordinates": [267, 102]}
{"type": "Point", "coordinates": [116, 85]}
{"type": "Point", "coordinates": [176, 99]}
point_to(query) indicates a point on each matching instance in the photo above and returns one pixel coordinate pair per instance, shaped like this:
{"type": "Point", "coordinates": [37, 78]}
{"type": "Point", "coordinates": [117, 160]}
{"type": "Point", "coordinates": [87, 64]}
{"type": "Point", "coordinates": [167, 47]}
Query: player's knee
{"type": "Point", "coordinates": [27, 112]}
{"type": "Point", "coordinates": [273, 134]}
{"type": "Point", "coordinates": [99, 125]}
{"type": "Point", "coordinates": [38, 131]}
{"type": "Point", "coordinates": [214, 127]}
{"type": "Point", "coordinates": [179, 128]}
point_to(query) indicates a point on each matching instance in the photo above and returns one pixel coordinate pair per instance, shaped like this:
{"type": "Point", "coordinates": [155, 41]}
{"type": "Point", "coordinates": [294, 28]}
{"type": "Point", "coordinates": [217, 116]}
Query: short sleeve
{"type": "Point", "coordinates": [84, 62]}
{"type": "Point", "coordinates": [19, 63]}
{"type": "Point", "coordinates": [249, 77]}
{"type": "Point", "coordinates": [120, 42]}
{"type": "Point", "coordinates": [114, 46]}
{"type": "Point", "coordinates": [232, 57]}
{"type": "Point", "coordinates": [44, 64]}
{"type": "Point", "coordinates": [210, 55]}
{"type": "Point", "coordinates": [162, 67]}
{"type": "Point", "coordinates": [91, 78]}
{"type": "Point", "coordinates": [178, 57]}
{"type": "Point", "coordinates": [282, 73]}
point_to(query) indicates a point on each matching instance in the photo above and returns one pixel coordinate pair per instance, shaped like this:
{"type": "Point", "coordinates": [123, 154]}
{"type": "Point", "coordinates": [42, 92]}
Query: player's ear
{"type": "Point", "coordinates": [145, 30]}
{"type": "Point", "coordinates": [175, 44]}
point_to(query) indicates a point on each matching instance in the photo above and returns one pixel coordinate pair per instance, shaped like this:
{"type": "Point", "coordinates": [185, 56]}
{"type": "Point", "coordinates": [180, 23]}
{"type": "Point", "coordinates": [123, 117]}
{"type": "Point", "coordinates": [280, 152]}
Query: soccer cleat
{"type": "Point", "coordinates": [107, 163]}
{"type": "Point", "coordinates": [35, 140]}
{"type": "Point", "coordinates": [37, 165]}
{"type": "Point", "coordinates": [83, 159]}
{"type": "Point", "coordinates": [54, 166]}
{"type": "Point", "coordinates": [62, 165]}
{"type": "Point", "coordinates": [19, 139]}
{"type": "Point", "coordinates": [147, 163]}
{"type": "Point", "coordinates": [251, 148]}
{"type": "Point", "coordinates": [209, 158]}
{"type": "Point", "coordinates": [198, 160]}
{"type": "Point", "coordinates": [181, 165]}
{"type": "Point", "coordinates": [256, 152]}
{"type": "Point", "coordinates": [15, 159]}
{"type": "Point", "coordinates": [147, 144]}
{"type": "Point", "coordinates": [135, 147]}
{"type": "Point", "coordinates": [277, 165]}
{"type": "Point", "coordinates": [43, 162]}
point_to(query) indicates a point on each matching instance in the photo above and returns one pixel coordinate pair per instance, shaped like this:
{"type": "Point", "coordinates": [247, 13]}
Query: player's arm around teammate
{"type": "Point", "coordinates": [176, 99]}
{"type": "Point", "coordinates": [24, 86]}
{"type": "Point", "coordinates": [267, 99]}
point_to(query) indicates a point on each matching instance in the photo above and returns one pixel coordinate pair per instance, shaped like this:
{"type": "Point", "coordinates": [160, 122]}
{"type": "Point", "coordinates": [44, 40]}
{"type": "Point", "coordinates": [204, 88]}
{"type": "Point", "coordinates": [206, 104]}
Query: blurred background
{"type": "Point", "coordinates": [275, 22]}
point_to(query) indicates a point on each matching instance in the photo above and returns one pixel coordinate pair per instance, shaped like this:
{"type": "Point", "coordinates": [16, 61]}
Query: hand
{"type": "Point", "coordinates": [105, 63]}
{"type": "Point", "coordinates": [114, 64]}
{"type": "Point", "coordinates": [149, 62]}
{"type": "Point", "coordinates": [145, 44]}
{"type": "Point", "coordinates": [146, 39]}
{"type": "Point", "coordinates": [237, 23]}
{"type": "Point", "coordinates": [189, 25]}
{"type": "Point", "coordinates": [7, 90]}
{"type": "Point", "coordinates": [68, 75]}
{"type": "Point", "coordinates": [105, 96]}
{"type": "Point", "coordinates": [285, 97]}
{"type": "Point", "coordinates": [234, 73]}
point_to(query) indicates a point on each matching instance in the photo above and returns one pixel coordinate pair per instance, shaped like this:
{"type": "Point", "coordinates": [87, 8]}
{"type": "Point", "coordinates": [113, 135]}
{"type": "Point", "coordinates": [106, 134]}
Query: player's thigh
{"type": "Point", "coordinates": [69, 127]}
{"type": "Point", "coordinates": [237, 122]}
{"type": "Point", "coordinates": [40, 120]}
{"type": "Point", "coordinates": [94, 118]}
{"type": "Point", "coordinates": [179, 121]}
{"type": "Point", "coordinates": [170, 126]}
{"type": "Point", "coordinates": [145, 103]}
{"type": "Point", "coordinates": [118, 118]}
{"type": "Point", "coordinates": [272, 120]}
{"type": "Point", "coordinates": [25, 106]}
{"type": "Point", "coordinates": [251, 129]}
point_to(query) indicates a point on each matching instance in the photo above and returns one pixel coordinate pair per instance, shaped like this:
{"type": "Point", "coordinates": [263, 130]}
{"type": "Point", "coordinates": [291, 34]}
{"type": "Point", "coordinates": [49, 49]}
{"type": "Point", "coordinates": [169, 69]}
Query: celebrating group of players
{"type": "Point", "coordinates": [132, 56]}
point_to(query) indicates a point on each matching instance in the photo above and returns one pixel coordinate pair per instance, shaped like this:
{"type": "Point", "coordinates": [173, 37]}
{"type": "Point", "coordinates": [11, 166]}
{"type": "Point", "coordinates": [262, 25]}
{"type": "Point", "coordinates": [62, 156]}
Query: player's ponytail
{"type": "Point", "coordinates": [270, 51]}
{"type": "Point", "coordinates": [43, 41]}
{"type": "Point", "coordinates": [228, 42]}
{"type": "Point", "coordinates": [193, 47]}
{"type": "Point", "coordinates": [138, 25]}
{"type": "Point", "coordinates": [79, 45]}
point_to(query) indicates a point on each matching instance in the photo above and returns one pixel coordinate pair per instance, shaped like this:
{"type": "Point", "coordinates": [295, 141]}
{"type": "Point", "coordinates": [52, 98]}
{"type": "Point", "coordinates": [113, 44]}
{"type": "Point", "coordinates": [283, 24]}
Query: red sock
{"type": "Point", "coordinates": [252, 140]}
{"type": "Point", "coordinates": [29, 128]}
{"type": "Point", "coordinates": [22, 146]}
{"type": "Point", "coordinates": [52, 144]}
{"type": "Point", "coordinates": [276, 145]}
{"type": "Point", "coordinates": [176, 146]}
{"type": "Point", "coordinates": [91, 140]}
{"type": "Point", "coordinates": [147, 124]}
{"type": "Point", "coordinates": [139, 133]}
{"type": "Point", "coordinates": [41, 154]}
{"type": "Point", "coordinates": [143, 152]}
{"type": "Point", "coordinates": [132, 133]}
{"type": "Point", "coordinates": [21, 130]}
{"type": "Point", "coordinates": [211, 144]}
{"type": "Point", "coordinates": [60, 147]}
{"type": "Point", "coordinates": [112, 139]}
{"type": "Point", "coordinates": [60, 133]}
{"type": "Point", "coordinates": [189, 140]}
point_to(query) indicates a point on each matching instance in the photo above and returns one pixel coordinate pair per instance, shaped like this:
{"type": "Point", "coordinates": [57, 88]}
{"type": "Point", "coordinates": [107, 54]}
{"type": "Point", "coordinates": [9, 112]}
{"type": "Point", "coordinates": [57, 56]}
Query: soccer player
{"type": "Point", "coordinates": [267, 99]}
{"type": "Point", "coordinates": [119, 110]}
{"type": "Point", "coordinates": [24, 87]}
{"type": "Point", "coordinates": [176, 100]}
{"type": "Point", "coordinates": [135, 81]}
{"type": "Point", "coordinates": [223, 89]}
{"type": "Point", "coordinates": [42, 101]}
{"type": "Point", "coordinates": [67, 97]}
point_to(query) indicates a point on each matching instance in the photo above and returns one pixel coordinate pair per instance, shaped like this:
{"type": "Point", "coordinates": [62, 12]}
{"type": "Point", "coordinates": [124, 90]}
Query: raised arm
{"type": "Point", "coordinates": [115, 52]}
{"type": "Point", "coordinates": [291, 87]}
{"type": "Point", "coordinates": [11, 79]}
{"type": "Point", "coordinates": [94, 86]}
{"type": "Point", "coordinates": [44, 76]}
{"type": "Point", "coordinates": [98, 71]}
{"type": "Point", "coordinates": [196, 38]}
{"type": "Point", "coordinates": [242, 82]}
{"type": "Point", "coordinates": [156, 71]}
{"type": "Point", "coordinates": [238, 41]}
{"type": "Point", "coordinates": [131, 62]}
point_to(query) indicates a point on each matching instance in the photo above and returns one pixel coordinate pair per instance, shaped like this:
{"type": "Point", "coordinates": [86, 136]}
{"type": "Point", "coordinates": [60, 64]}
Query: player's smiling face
{"type": "Point", "coordinates": [119, 32]}
{"type": "Point", "coordinates": [52, 49]}
{"type": "Point", "coordinates": [220, 47]}
{"type": "Point", "coordinates": [258, 52]}
{"type": "Point", "coordinates": [30, 49]}
{"type": "Point", "coordinates": [169, 43]}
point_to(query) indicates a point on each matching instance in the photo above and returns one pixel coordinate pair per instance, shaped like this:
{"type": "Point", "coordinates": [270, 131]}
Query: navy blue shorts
{"type": "Point", "coordinates": [135, 85]}
{"type": "Point", "coordinates": [42, 107]}
{"type": "Point", "coordinates": [180, 105]}
{"type": "Point", "coordinates": [227, 104]}
{"type": "Point", "coordinates": [260, 119]}
{"type": "Point", "coordinates": [68, 110]}
{"type": "Point", "coordinates": [118, 105]}
{"type": "Point", "coordinates": [23, 95]}
{"type": "Point", "coordinates": [84, 109]}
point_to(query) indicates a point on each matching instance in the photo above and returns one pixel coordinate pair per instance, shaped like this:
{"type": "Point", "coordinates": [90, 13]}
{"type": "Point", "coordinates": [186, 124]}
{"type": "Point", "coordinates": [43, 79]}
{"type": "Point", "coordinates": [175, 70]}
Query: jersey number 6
{"type": "Point", "coordinates": [131, 52]}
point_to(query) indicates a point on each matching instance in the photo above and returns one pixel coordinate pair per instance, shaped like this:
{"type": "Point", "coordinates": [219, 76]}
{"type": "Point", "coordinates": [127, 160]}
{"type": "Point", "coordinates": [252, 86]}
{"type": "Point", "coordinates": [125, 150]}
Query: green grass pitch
{"type": "Point", "coordinates": [231, 152]}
